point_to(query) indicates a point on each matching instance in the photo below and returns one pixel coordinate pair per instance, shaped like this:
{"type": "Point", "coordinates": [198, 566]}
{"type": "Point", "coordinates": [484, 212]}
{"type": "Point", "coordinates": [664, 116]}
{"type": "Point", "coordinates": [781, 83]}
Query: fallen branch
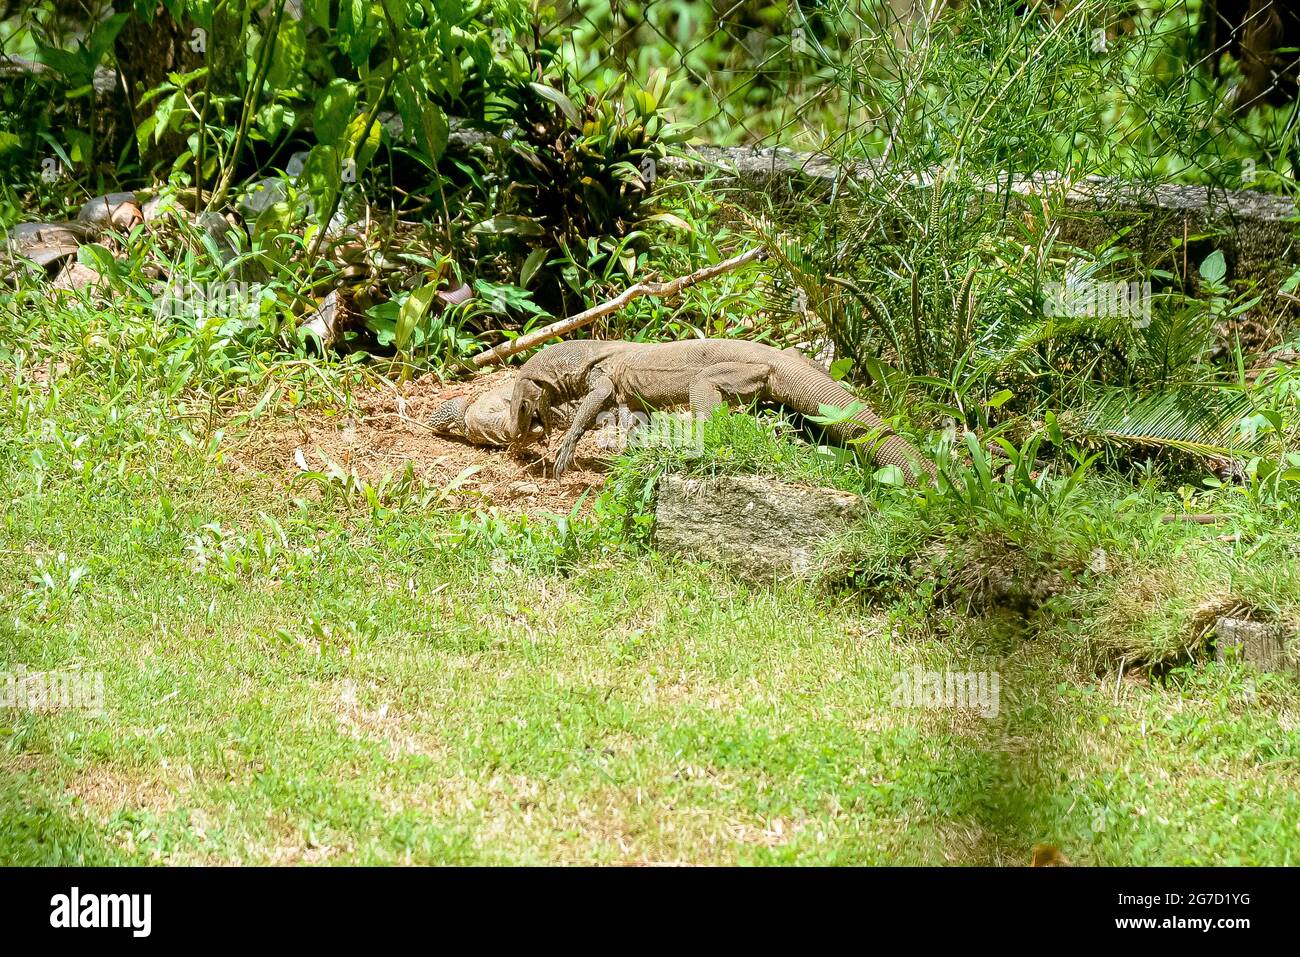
{"type": "Point", "coordinates": [535, 338]}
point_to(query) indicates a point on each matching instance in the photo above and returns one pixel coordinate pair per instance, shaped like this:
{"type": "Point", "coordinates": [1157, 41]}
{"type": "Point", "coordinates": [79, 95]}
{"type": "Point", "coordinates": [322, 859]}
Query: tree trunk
{"type": "Point", "coordinates": [148, 50]}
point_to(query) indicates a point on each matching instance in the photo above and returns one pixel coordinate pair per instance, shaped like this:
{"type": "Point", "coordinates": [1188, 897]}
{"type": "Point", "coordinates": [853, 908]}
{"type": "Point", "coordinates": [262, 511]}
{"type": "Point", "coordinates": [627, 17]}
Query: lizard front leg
{"type": "Point", "coordinates": [598, 398]}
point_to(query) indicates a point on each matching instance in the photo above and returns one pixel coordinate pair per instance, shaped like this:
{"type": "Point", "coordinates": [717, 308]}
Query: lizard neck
{"type": "Point", "coordinates": [566, 368]}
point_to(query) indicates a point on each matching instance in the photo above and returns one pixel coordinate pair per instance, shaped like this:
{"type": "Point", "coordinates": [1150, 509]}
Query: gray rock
{"type": "Point", "coordinates": [1260, 644]}
{"type": "Point", "coordinates": [111, 211]}
{"type": "Point", "coordinates": [297, 163]}
{"type": "Point", "coordinates": [762, 529]}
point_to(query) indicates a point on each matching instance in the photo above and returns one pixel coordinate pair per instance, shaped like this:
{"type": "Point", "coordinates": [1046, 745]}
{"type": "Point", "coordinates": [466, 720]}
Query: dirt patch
{"type": "Point", "coordinates": [107, 791]}
{"type": "Point", "coordinates": [385, 431]}
{"type": "Point", "coordinates": [381, 724]}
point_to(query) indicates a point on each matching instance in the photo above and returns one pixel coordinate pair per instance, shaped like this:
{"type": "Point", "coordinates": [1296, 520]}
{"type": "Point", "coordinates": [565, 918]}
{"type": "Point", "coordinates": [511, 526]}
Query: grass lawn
{"type": "Point", "coordinates": [352, 671]}
{"type": "Point", "coordinates": [307, 682]}
{"type": "Point", "coordinates": [326, 635]}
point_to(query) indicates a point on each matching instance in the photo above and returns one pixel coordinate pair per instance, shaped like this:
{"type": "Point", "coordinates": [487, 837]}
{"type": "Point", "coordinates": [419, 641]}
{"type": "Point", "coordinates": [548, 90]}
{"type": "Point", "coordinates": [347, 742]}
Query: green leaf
{"type": "Point", "coordinates": [1054, 434]}
{"type": "Point", "coordinates": [356, 32]}
{"type": "Point", "coordinates": [890, 475]}
{"type": "Point", "coordinates": [71, 66]}
{"type": "Point", "coordinates": [164, 115]}
{"type": "Point", "coordinates": [384, 330]}
{"type": "Point", "coordinates": [411, 312]}
{"type": "Point", "coordinates": [101, 41]}
{"type": "Point", "coordinates": [502, 297]}
{"type": "Point", "coordinates": [364, 152]}
{"type": "Point", "coordinates": [1000, 399]}
{"type": "Point", "coordinates": [840, 368]}
{"type": "Point", "coordinates": [397, 10]}
{"type": "Point", "coordinates": [424, 118]}
{"type": "Point", "coordinates": [533, 263]}
{"type": "Point", "coordinates": [273, 220]}
{"type": "Point", "coordinates": [287, 58]}
{"type": "Point", "coordinates": [96, 257]}
{"type": "Point", "coordinates": [144, 131]}
{"type": "Point", "coordinates": [272, 118]}
{"type": "Point", "coordinates": [1200, 419]}
{"type": "Point", "coordinates": [381, 319]}
{"type": "Point", "coordinates": [334, 110]}
{"type": "Point", "coordinates": [80, 145]}
{"type": "Point", "coordinates": [559, 99]}
{"type": "Point", "coordinates": [1214, 268]}
{"type": "Point", "coordinates": [320, 13]}
{"type": "Point", "coordinates": [835, 415]}
{"type": "Point", "coordinates": [437, 130]}
{"type": "Point", "coordinates": [321, 176]}
{"type": "Point", "coordinates": [672, 220]}
{"type": "Point", "coordinates": [505, 225]}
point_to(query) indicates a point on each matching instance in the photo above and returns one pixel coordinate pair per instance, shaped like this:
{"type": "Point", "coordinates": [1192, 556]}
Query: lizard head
{"type": "Point", "coordinates": [449, 417]}
{"type": "Point", "coordinates": [529, 405]}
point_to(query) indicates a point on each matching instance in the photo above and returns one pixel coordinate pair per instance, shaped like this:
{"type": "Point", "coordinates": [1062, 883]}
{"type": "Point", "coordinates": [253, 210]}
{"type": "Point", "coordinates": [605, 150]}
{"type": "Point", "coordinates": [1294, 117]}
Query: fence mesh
{"type": "Point", "coordinates": [744, 72]}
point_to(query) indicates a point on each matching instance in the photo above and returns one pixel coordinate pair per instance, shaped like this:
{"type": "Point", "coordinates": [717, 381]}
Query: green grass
{"type": "Point", "coordinates": [294, 682]}
{"type": "Point", "coordinates": [316, 674]}
{"type": "Point", "coordinates": [388, 698]}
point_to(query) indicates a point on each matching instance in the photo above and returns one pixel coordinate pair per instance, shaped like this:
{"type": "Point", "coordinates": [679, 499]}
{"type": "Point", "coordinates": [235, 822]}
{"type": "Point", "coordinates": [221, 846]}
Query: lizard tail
{"type": "Point", "coordinates": [801, 386]}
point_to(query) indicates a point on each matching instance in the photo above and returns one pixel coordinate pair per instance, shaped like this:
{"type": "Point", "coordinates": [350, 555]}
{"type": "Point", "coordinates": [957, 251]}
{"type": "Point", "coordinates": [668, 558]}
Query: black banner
{"type": "Point", "coordinates": [339, 906]}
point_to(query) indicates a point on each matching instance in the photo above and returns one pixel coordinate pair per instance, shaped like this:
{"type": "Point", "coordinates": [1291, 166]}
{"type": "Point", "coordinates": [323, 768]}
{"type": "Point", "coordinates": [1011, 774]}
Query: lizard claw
{"type": "Point", "coordinates": [562, 462]}
{"type": "Point", "coordinates": [564, 458]}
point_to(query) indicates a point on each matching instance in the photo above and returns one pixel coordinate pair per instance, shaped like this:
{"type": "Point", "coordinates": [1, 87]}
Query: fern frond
{"type": "Point", "coordinates": [1201, 418]}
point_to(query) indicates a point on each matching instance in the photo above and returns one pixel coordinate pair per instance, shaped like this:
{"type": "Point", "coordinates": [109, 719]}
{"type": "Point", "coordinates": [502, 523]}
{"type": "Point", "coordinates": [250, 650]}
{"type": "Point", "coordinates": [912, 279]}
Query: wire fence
{"type": "Point", "coordinates": [743, 72]}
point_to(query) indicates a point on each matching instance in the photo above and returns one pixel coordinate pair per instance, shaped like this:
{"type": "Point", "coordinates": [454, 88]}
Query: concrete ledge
{"type": "Point", "coordinates": [786, 165]}
{"type": "Point", "coordinates": [1255, 231]}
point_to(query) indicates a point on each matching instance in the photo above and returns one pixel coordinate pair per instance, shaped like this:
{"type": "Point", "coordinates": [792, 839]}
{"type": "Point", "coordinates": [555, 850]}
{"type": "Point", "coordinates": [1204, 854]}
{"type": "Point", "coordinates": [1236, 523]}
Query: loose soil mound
{"type": "Point", "coordinates": [386, 429]}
